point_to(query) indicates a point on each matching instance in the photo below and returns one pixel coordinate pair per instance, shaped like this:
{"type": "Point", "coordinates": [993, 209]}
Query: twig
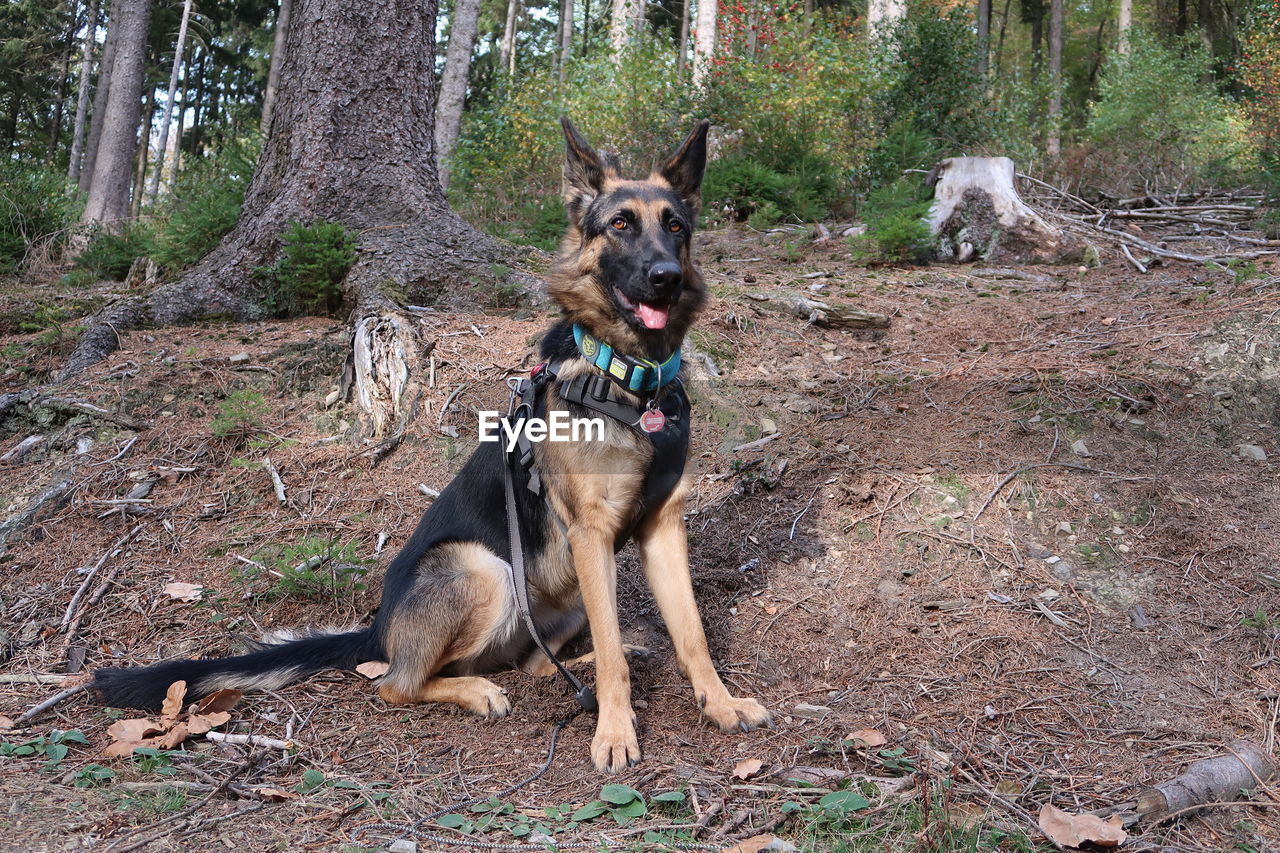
{"type": "Point", "coordinates": [72, 606]}
{"type": "Point", "coordinates": [32, 678]}
{"type": "Point", "coordinates": [759, 442]}
{"type": "Point", "coordinates": [448, 401]}
{"type": "Point", "coordinates": [1025, 468]}
{"type": "Point", "coordinates": [67, 405]}
{"type": "Point", "coordinates": [276, 482]}
{"type": "Point", "coordinates": [54, 494]}
{"type": "Point", "coordinates": [250, 740]}
{"type": "Point", "coordinates": [1059, 191]}
{"type": "Point", "coordinates": [57, 699]}
{"type": "Point", "coordinates": [1137, 264]}
{"type": "Point", "coordinates": [74, 628]}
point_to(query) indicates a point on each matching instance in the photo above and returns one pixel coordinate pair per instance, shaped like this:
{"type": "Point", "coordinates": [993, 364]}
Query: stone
{"type": "Point", "coordinates": [1252, 452]}
{"type": "Point", "coordinates": [1079, 448]}
{"type": "Point", "coordinates": [810, 712]}
{"type": "Point", "coordinates": [238, 358]}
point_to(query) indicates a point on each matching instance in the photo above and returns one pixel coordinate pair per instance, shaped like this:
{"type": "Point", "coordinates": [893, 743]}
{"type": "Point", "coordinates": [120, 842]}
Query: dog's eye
{"type": "Point", "coordinates": [618, 224]}
{"type": "Point", "coordinates": [675, 226]}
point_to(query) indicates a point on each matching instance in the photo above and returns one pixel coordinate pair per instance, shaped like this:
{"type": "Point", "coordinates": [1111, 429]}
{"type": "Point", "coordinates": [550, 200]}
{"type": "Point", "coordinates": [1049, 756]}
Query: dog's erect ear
{"type": "Point", "coordinates": [684, 170]}
{"type": "Point", "coordinates": [584, 171]}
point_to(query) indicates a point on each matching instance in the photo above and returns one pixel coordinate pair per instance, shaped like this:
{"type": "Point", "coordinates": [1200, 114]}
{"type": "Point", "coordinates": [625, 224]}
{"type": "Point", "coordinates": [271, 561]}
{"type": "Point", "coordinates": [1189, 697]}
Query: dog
{"type": "Point", "coordinates": [628, 290]}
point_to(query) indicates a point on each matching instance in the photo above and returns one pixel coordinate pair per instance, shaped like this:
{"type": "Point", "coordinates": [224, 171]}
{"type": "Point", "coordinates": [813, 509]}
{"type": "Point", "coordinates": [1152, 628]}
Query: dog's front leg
{"type": "Point", "coordinates": [615, 745]}
{"type": "Point", "coordinates": [664, 550]}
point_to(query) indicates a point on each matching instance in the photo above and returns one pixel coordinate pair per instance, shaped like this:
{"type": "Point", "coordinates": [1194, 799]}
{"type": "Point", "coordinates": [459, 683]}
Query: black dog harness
{"type": "Point", "coordinates": [663, 419]}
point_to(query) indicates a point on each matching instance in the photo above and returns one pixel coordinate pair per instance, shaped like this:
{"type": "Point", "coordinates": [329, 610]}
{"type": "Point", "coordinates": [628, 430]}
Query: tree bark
{"type": "Point", "coordinates": [273, 73]}
{"type": "Point", "coordinates": [625, 23]}
{"type": "Point", "coordinates": [99, 110]}
{"type": "Point", "coordinates": [977, 214]}
{"type": "Point", "coordinates": [1124, 24]}
{"type": "Point", "coordinates": [507, 55]}
{"type": "Point", "coordinates": [143, 158]}
{"type": "Point", "coordinates": [566, 38]}
{"type": "Point", "coordinates": [453, 83]}
{"type": "Point", "coordinates": [153, 188]}
{"type": "Point", "coordinates": [351, 142]}
{"type": "Point", "coordinates": [88, 46]}
{"type": "Point", "coordinates": [704, 39]}
{"type": "Point", "coordinates": [64, 83]}
{"type": "Point", "coordinates": [682, 56]}
{"type": "Point", "coordinates": [984, 35]}
{"type": "Point", "coordinates": [108, 200]}
{"type": "Point", "coordinates": [1056, 37]}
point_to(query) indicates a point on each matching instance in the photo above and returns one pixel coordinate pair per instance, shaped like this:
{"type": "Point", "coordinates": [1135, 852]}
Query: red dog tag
{"type": "Point", "coordinates": [653, 420]}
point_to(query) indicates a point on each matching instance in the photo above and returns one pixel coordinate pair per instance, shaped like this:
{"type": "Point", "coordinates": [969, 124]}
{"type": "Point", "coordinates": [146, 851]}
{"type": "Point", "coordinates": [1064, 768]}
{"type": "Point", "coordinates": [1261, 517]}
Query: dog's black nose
{"type": "Point", "coordinates": [665, 275]}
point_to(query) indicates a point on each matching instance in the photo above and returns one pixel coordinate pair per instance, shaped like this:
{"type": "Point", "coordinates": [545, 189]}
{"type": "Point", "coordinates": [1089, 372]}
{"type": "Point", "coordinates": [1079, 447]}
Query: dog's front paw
{"type": "Point", "coordinates": [615, 747]}
{"type": "Point", "coordinates": [738, 715]}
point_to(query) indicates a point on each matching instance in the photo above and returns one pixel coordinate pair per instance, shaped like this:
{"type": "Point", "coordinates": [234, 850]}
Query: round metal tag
{"type": "Point", "coordinates": [653, 420]}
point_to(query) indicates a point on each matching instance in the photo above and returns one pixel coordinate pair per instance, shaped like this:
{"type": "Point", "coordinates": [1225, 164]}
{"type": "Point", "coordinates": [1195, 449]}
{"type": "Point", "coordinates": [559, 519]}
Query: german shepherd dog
{"type": "Point", "coordinates": [449, 612]}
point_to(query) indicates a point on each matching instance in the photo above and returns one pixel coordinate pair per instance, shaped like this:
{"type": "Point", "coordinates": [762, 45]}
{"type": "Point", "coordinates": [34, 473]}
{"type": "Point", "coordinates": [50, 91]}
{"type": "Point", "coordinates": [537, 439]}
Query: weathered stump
{"type": "Point", "coordinates": [978, 214]}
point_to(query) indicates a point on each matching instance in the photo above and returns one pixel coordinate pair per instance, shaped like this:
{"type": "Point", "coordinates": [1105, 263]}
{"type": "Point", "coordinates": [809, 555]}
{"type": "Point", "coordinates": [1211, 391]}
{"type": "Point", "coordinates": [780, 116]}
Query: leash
{"type": "Point", "coordinates": [520, 580]}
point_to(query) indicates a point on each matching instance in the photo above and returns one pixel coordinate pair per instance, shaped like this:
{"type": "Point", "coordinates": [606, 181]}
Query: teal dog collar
{"type": "Point", "coordinates": [633, 374]}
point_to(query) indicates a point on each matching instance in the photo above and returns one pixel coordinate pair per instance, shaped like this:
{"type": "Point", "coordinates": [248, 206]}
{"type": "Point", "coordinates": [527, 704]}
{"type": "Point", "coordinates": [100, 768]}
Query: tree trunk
{"type": "Point", "coordinates": [453, 83]}
{"type": "Point", "coordinates": [98, 114]}
{"type": "Point", "coordinates": [64, 83]}
{"type": "Point", "coordinates": [108, 200]}
{"type": "Point", "coordinates": [566, 38]}
{"type": "Point", "coordinates": [507, 56]}
{"type": "Point", "coordinates": [625, 23]}
{"type": "Point", "coordinates": [153, 189]}
{"type": "Point", "coordinates": [682, 57]}
{"type": "Point", "coordinates": [1124, 24]}
{"type": "Point", "coordinates": [1004, 26]}
{"type": "Point", "coordinates": [704, 40]}
{"type": "Point", "coordinates": [87, 48]}
{"type": "Point", "coordinates": [351, 142]}
{"type": "Point", "coordinates": [273, 73]}
{"type": "Point", "coordinates": [138, 184]}
{"type": "Point", "coordinates": [1056, 37]}
{"type": "Point", "coordinates": [984, 35]}
{"type": "Point", "coordinates": [977, 213]}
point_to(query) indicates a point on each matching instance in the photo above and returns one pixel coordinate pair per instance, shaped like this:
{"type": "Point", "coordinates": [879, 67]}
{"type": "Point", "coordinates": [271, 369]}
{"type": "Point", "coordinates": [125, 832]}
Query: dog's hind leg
{"type": "Point", "coordinates": [459, 606]}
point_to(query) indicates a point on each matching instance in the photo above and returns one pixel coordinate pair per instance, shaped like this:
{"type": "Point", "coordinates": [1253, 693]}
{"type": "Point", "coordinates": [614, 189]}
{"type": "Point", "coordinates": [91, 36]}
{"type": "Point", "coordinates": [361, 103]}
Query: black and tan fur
{"type": "Point", "coordinates": [448, 614]}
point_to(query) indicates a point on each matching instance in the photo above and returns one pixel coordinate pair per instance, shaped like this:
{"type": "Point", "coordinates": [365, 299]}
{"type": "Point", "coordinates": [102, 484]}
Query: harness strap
{"type": "Point", "coordinates": [520, 582]}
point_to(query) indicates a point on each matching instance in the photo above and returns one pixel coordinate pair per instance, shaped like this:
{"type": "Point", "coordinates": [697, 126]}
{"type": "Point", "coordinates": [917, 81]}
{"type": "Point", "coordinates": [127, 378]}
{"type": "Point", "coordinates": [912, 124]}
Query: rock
{"type": "Point", "coordinates": [403, 845]}
{"type": "Point", "coordinates": [1079, 448]}
{"type": "Point", "coordinates": [238, 358]}
{"type": "Point", "coordinates": [1252, 452]}
{"type": "Point", "coordinates": [810, 712]}
{"type": "Point", "coordinates": [798, 404]}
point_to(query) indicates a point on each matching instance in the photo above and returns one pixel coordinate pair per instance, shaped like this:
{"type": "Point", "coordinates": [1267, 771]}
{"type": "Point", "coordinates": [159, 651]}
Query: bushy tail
{"type": "Point", "coordinates": [269, 668]}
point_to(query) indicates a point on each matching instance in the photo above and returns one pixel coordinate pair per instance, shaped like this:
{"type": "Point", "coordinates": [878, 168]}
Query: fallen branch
{"type": "Point", "coordinates": [1207, 781]}
{"type": "Point", "coordinates": [276, 482]}
{"type": "Point", "coordinates": [72, 606]}
{"type": "Point", "coordinates": [54, 495]}
{"type": "Point", "coordinates": [841, 316]}
{"type": "Point", "coordinates": [32, 678]}
{"type": "Point", "coordinates": [250, 740]}
{"type": "Point", "coordinates": [1137, 264]}
{"type": "Point", "coordinates": [22, 448]}
{"type": "Point", "coordinates": [53, 701]}
{"type": "Point", "coordinates": [69, 406]}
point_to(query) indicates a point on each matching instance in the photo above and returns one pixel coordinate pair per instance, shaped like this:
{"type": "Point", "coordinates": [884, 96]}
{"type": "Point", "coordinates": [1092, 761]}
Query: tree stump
{"type": "Point", "coordinates": [977, 213]}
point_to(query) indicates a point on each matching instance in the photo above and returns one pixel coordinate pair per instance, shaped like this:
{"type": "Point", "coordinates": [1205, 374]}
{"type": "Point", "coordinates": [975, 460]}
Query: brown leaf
{"type": "Point", "coordinates": [965, 815]}
{"type": "Point", "coordinates": [275, 795]}
{"type": "Point", "coordinates": [6, 723]}
{"type": "Point", "coordinates": [183, 591]}
{"type": "Point", "coordinates": [172, 706]}
{"type": "Point", "coordinates": [133, 730]}
{"type": "Point", "coordinates": [122, 748]}
{"type": "Point", "coordinates": [198, 724]}
{"type": "Point", "coordinates": [217, 701]}
{"type": "Point", "coordinates": [770, 609]}
{"type": "Point", "coordinates": [171, 738]}
{"type": "Point", "coordinates": [754, 844]}
{"type": "Point", "coordinates": [1073, 830]}
{"type": "Point", "coordinates": [868, 737]}
{"type": "Point", "coordinates": [373, 668]}
{"type": "Point", "coordinates": [746, 768]}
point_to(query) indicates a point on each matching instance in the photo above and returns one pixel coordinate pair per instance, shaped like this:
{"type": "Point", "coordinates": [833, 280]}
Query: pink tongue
{"type": "Point", "coordinates": [653, 316]}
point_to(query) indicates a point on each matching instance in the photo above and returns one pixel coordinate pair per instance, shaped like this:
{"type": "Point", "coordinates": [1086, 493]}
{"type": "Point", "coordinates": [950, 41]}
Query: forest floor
{"type": "Point", "coordinates": [1029, 535]}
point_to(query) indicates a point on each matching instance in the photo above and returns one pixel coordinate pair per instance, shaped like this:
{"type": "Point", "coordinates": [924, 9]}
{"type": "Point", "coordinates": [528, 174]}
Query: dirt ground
{"type": "Point", "coordinates": [1023, 533]}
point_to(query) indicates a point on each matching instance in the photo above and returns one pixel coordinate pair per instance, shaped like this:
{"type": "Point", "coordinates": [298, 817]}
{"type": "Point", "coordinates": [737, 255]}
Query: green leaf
{"type": "Point", "coordinates": [311, 779]}
{"type": "Point", "coordinates": [791, 806]}
{"type": "Point", "coordinates": [625, 813]}
{"type": "Point", "coordinates": [668, 797]}
{"type": "Point", "coordinates": [452, 821]}
{"type": "Point", "coordinates": [593, 809]}
{"type": "Point", "coordinates": [619, 794]}
{"type": "Point", "coordinates": [72, 736]}
{"type": "Point", "coordinates": [843, 802]}
{"type": "Point", "coordinates": [346, 783]}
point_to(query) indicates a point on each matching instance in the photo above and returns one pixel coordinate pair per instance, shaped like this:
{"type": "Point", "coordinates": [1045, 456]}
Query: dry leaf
{"type": "Point", "coordinates": [172, 706]}
{"type": "Point", "coordinates": [1073, 830]}
{"type": "Point", "coordinates": [746, 768]}
{"type": "Point", "coordinates": [965, 815]}
{"type": "Point", "coordinates": [201, 723]}
{"type": "Point", "coordinates": [1107, 321]}
{"type": "Point", "coordinates": [217, 702]}
{"type": "Point", "coordinates": [771, 610]}
{"type": "Point", "coordinates": [868, 737]}
{"type": "Point", "coordinates": [754, 844]}
{"type": "Point", "coordinates": [373, 668]}
{"type": "Point", "coordinates": [122, 748]}
{"type": "Point", "coordinates": [275, 795]}
{"type": "Point", "coordinates": [183, 591]}
{"type": "Point", "coordinates": [134, 730]}
{"type": "Point", "coordinates": [172, 738]}
{"type": "Point", "coordinates": [6, 723]}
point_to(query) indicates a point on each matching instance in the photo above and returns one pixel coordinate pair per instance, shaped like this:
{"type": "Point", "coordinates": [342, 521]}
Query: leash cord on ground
{"type": "Point", "coordinates": [412, 829]}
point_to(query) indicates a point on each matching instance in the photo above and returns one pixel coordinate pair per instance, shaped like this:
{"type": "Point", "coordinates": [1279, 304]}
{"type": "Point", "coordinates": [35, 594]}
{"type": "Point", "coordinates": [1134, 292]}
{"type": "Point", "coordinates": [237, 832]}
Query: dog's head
{"type": "Point", "coordinates": [624, 269]}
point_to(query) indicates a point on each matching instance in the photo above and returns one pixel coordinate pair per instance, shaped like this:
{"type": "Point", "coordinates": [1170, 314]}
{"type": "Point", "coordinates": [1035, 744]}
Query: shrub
{"type": "Point", "coordinates": [896, 229]}
{"type": "Point", "coordinates": [204, 205]}
{"type": "Point", "coordinates": [240, 416]}
{"type": "Point", "coordinates": [1260, 71]}
{"type": "Point", "coordinates": [111, 253]}
{"type": "Point", "coordinates": [36, 208]}
{"type": "Point", "coordinates": [1158, 123]}
{"type": "Point", "coordinates": [316, 260]}
{"type": "Point", "coordinates": [736, 189]}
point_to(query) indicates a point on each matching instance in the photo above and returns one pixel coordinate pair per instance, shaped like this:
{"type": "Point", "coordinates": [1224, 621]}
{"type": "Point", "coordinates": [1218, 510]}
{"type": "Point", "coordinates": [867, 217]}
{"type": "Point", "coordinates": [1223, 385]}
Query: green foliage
{"type": "Point", "coordinates": [896, 230]}
{"type": "Point", "coordinates": [241, 415]}
{"type": "Point", "coordinates": [36, 208]}
{"type": "Point", "coordinates": [739, 189]}
{"type": "Point", "coordinates": [315, 567]}
{"type": "Point", "coordinates": [315, 261]}
{"type": "Point", "coordinates": [148, 759]}
{"type": "Point", "coordinates": [1159, 123]}
{"type": "Point", "coordinates": [93, 776]}
{"type": "Point", "coordinates": [204, 205]}
{"type": "Point", "coordinates": [53, 746]}
{"type": "Point", "coordinates": [111, 253]}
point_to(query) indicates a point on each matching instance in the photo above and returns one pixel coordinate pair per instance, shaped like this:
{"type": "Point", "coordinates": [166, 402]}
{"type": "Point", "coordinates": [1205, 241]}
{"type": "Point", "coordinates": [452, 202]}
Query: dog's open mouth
{"type": "Point", "coordinates": [652, 315]}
